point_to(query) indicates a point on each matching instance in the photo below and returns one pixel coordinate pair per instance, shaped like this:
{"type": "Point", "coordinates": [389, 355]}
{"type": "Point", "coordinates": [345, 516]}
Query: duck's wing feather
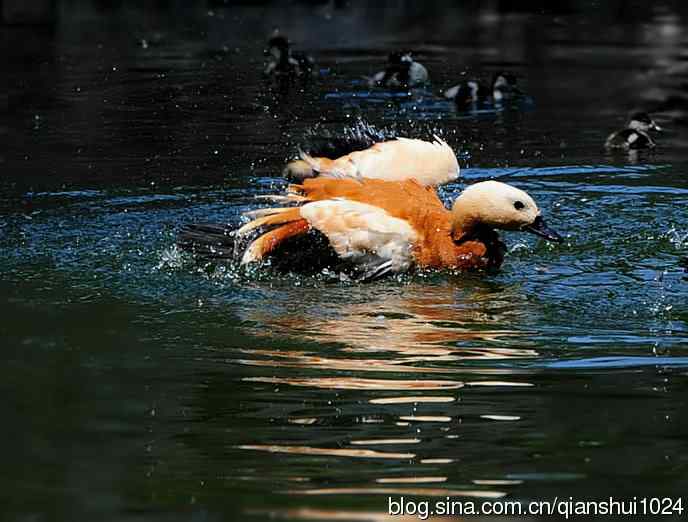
{"type": "Point", "coordinates": [373, 224]}
{"type": "Point", "coordinates": [431, 163]}
{"type": "Point", "coordinates": [363, 234]}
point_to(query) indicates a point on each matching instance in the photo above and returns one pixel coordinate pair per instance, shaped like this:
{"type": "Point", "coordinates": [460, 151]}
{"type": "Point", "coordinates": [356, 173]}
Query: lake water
{"type": "Point", "coordinates": [140, 384]}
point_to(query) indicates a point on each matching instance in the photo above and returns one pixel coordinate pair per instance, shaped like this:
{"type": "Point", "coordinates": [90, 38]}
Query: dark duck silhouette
{"type": "Point", "coordinates": [636, 135]}
{"type": "Point", "coordinates": [283, 62]}
{"type": "Point", "coordinates": [503, 87]}
{"type": "Point", "coordinates": [402, 72]}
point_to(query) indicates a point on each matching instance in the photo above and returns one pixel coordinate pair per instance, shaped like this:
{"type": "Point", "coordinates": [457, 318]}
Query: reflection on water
{"type": "Point", "coordinates": [416, 333]}
{"type": "Point", "coordinates": [140, 383]}
{"type": "Point", "coordinates": [420, 492]}
{"type": "Point", "coordinates": [335, 452]}
{"type": "Point", "coordinates": [417, 323]}
{"type": "Point", "coordinates": [410, 399]}
{"type": "Point", "coordinates": [385, 441]}
{"type": "Point", "coordinates": [352, 383]}
{"type": "Point", "coordinates": [349, 516]}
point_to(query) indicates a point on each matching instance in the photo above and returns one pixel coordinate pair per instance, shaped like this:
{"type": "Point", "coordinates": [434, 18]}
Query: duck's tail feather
{"type": "Point", "coordinates": [264, 212]}
{"type": "Point", "coordinates": [289, 198]}
{"type": "Point", "coordinates": [207, 240]}
{"type": "Point", "coordinates": [219, 241]}
{"type": "Point", "coordinates": [268, 217]}
{"type": "Point", "coordinates": [289, 223]}
{"type": "Point", "coordinates": [269, 241]}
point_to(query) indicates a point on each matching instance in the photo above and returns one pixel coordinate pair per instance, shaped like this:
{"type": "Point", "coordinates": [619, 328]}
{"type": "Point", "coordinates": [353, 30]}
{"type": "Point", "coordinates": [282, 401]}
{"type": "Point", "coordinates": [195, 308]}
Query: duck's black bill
{"type": "Point", "coordinates": [539, 228]}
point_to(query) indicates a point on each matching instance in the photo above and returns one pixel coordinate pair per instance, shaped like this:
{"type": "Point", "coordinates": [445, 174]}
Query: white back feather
{"type": "Point", "coordinates": [429, 163]}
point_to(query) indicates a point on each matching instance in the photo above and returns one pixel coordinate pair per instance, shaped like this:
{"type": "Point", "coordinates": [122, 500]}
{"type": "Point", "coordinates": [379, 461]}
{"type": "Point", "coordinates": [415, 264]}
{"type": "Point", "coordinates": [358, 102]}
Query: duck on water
{"type": "Point", "coordinates": [402, 72]}
{"type": "Point", "coordinates": [636, 135]}
{"type": "Point", "coordinates": [375, 211]}
{"type": "Point", "coordinates": [283, 62]}
{"type": "Point", "coordinates": [503, 87]}
{"type": "Point", "coordinates": [377, 227]}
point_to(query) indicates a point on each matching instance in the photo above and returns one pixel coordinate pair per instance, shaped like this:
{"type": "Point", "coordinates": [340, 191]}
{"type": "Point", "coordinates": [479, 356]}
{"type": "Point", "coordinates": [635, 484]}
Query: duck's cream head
{"type": "Point", "coordinates": [497, 205]}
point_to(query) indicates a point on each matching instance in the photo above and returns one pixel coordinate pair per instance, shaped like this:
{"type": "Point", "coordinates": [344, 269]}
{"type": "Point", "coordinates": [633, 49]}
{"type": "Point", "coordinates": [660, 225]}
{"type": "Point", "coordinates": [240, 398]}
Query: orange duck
{"type": "Point", "coordinates": [385, 227]}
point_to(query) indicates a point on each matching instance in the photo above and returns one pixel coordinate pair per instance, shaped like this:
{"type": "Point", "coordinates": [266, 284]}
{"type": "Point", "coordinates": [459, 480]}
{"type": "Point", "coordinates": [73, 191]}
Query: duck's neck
{"type": "Point", "coordinates": [464, 222]}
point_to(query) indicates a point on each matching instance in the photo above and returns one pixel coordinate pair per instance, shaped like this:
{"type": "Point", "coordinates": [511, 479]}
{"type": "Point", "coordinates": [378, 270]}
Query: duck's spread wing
{"type": "Point", "coordinates": [363, 234]}
{"type": "Point", "coordinates": [431, 163]}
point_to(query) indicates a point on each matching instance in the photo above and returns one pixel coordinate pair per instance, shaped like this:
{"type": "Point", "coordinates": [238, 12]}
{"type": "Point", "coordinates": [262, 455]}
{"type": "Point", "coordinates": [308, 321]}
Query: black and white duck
{"type": "Point", "coordinates": [636, 134]}
{"type": "Point", "coordinates": [503, 87]}
{"type": "Point", "coordinates": [401, 72]}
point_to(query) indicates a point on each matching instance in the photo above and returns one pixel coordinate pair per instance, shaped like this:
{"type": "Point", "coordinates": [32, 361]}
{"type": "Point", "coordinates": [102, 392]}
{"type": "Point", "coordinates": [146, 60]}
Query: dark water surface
{"type": "Point", "coordinates": [138, 384]}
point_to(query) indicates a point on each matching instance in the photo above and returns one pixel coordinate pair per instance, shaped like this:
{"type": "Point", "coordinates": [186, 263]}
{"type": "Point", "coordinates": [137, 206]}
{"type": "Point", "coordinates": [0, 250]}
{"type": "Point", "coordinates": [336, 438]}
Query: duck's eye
{"type": "Point", "coordinates": [519, 205]}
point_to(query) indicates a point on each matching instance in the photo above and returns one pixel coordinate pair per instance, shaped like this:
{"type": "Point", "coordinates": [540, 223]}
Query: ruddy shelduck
{"type": "Point", "coordinates": [384, 226]}
{"type": "Point", "coordinates": [428, 162]}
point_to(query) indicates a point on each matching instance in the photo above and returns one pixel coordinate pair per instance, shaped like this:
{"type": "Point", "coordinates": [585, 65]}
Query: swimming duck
{"type": "Point", "coordinates": [429, 162]}
{"type": "Point", "coordinates": [504, 86]}
{"type": "Point", "coordinates": [282, 61]}
{"type": "Point", "coordinates": [383, 227]}
{"type": "Point", "coordinates": [402, 72]}
{"type": "Point", "coordinates": [636, 134]}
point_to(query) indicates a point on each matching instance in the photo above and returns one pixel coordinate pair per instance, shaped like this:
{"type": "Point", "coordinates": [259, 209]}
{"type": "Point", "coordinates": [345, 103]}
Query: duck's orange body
{"type": "Point", "coordinates": [422, 209]}
{"type": "Point", "coordinates": [399, 221]}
